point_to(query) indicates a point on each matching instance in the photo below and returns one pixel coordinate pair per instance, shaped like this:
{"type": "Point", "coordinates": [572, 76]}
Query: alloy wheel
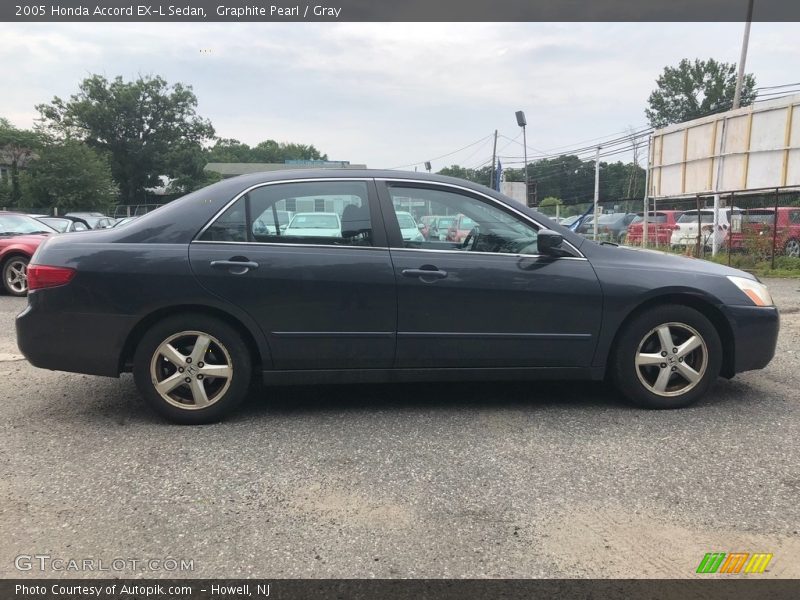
{"type": "Point", "coordinates": [191, 370]}
{"type": "Point", "coordinates": [792, 248]}
{"type": "Point", "coordinates": [16, 272]}
{"type": "Point", "coordinates": [671, 359]}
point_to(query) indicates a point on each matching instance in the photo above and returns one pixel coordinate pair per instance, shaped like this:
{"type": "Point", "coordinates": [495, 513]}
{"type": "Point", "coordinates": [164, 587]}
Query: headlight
{"type": "Point", "coordinates": [757, 292]}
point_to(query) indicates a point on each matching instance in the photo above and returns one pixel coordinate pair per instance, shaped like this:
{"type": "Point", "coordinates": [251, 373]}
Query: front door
{"type": "Point", "coordinates": [304, 260]}
{"type": "Point", "coordinates": [489, 299]}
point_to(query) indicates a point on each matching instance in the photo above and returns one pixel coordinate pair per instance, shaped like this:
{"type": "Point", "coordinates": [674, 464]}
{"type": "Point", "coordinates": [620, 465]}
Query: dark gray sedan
{"type": "Point", "coordinates": [200, 296]}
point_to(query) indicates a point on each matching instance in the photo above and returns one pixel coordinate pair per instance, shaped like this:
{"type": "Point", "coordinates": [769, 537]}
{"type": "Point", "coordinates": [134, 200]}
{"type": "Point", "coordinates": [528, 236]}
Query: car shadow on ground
{"type": "Point", "coordinates": [281, 401]}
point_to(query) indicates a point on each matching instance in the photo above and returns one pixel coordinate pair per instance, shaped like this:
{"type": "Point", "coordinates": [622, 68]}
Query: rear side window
{"type": "Point", "coordinates": [325, 212]}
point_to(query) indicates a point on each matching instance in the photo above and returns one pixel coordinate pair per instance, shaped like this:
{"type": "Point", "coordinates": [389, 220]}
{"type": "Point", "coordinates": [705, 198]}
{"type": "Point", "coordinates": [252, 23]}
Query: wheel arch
{"type": "Point", "coordinates": [138, 331]}
{"type": "Point", "coordinates": [701, 305]}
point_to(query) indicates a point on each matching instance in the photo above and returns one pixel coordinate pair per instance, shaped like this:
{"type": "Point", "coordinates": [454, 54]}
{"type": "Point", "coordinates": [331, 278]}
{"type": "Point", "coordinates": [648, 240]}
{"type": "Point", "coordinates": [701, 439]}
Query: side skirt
{"type": "Point", "coordinates": [333, 376]}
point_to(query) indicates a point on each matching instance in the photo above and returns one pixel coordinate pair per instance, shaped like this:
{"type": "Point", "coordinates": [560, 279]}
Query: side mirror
{"type": "Point", "coordinates": [549, 242]}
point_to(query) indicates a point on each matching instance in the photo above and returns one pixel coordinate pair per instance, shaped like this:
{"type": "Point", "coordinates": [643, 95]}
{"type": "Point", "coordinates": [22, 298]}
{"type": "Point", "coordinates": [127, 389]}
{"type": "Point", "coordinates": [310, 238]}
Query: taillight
{"type": "Point", "coordinates": [41, 276]}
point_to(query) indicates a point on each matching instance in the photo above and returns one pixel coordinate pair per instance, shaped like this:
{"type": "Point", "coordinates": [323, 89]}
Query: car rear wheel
{"type": "Point", "coordinates": [792, 248]}
{"type": "Point", "coordinates": [667, 357]}
{"type": "Point", "coordinates": [192, 369]}
{"type": "Point", "coordinates": [15, 275]}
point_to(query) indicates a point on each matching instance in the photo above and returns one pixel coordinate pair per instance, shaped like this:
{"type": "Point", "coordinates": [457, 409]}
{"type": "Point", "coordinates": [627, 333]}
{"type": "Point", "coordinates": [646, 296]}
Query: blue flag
{"type": "Point", "coordinates": [498, 174]}
{"type": "Point", "coordinates": [579, 221]}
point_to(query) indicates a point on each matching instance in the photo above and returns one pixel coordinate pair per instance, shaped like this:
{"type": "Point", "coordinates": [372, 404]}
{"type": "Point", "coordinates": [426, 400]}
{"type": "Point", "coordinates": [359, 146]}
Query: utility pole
{"type": "Point", "coordinates": [522, 122]}
{"type": "Point", "coordinates": [494, 158]}
{"type": "Point", "coordinates": [596, 191]}
{"type": "Point", "coordinates": [743, 58]}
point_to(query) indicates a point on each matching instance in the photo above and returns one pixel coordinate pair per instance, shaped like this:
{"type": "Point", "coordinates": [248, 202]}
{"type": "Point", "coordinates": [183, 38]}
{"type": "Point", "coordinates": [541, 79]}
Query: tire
{"type": "Point", "coordinates": [187, 377]}
{"type": "Point", "coordinates": [661, 385]}
{"type": "Point", "coordinates": [792, 248]}
{"type": "Point", "coordinates": [15, 275]}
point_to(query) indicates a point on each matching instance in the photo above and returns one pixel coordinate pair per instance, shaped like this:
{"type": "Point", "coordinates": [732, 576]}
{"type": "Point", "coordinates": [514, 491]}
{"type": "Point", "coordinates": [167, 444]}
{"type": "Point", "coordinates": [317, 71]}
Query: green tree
{"type": "Point", "coordinates": [481, 176]}
{"type": "Point", "coordinates": [69, 175]}
{"type": "Point", "coordinates": [17, 149]}
{"type": "Point", "coordinates": [269, 151]}
{"type": "Point", "coordinates": [696, 89]}
{"type": "Point", "coordinates": [147, 127]}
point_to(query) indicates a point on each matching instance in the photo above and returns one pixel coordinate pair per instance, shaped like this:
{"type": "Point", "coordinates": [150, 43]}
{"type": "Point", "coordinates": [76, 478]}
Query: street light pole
{"type": "Point", "coordinates": [737, 95]}
{"type": "Point", "coordinates": [522, 123]}
{"type": "Point", "coordinates": [596, 191]}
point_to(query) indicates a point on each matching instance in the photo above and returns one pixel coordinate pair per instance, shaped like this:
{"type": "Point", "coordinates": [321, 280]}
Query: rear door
{"type": "Point", "coordinates": [490, 300]}
{"type": "Point", "coordinates": [324, 300]}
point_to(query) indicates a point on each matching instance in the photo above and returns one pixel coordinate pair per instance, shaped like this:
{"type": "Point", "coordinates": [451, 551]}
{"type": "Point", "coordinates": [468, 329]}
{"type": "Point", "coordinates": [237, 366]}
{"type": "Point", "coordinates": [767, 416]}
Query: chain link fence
{"type": "Point", "coordinates": [754, 229]}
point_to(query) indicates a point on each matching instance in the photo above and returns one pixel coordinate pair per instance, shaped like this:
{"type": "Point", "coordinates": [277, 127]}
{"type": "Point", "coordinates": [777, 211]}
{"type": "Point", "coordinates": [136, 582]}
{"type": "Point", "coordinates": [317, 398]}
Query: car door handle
{"type": "Point", "coordinates": [425, 273]}
{"type": "Point", "coordinates": [237, 267]}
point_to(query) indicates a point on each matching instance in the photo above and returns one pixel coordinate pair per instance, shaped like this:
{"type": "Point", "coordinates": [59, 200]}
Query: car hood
{"type": "Point", "coordinates": [633, 257]}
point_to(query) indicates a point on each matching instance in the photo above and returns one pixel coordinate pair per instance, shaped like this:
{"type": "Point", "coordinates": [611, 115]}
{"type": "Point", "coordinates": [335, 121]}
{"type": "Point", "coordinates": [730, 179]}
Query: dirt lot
{"type": "Point", "coordinates": [450, 480]}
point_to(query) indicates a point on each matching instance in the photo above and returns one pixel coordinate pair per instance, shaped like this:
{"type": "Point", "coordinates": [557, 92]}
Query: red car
{"type": "Point", "coordinates": [20, 235]}
{"type": "Point", "coordinates": [758, 222]}
{"type": "Point", "coordinates": [660, 226]}
{"type": "Point", "coordinates": [460, 229]}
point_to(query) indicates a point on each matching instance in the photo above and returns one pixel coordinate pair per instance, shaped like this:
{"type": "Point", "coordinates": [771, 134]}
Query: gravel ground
{"type": "Point", "coordinates": [446, 480]}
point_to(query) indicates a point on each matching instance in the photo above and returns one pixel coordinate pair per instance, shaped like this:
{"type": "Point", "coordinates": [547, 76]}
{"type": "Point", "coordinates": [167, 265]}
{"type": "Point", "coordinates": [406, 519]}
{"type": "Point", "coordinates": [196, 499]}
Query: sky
{"type": "Point", "coordinates": [392, 95]}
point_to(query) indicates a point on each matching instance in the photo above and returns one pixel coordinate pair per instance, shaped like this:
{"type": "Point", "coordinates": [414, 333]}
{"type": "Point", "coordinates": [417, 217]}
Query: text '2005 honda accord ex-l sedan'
{"type": "Point", "coordinates": [198, 297]}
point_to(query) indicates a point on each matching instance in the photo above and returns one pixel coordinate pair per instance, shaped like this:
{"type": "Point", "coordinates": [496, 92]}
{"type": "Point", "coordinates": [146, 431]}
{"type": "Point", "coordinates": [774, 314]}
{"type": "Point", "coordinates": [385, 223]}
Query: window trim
{"type": "Point", "coordinates": [421, 183]}
{"type": "Point", "coordinates": [372, 203]}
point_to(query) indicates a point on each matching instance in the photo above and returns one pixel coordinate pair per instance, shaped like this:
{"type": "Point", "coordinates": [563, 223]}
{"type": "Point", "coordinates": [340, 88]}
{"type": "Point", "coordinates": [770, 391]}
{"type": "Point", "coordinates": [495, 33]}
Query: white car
{"type": "Point", "coordinates": [314, 225]}
{"type": "Point", "coordinates": [265, 224]}
{"type": "Point", "coordinates": [409, 228]}
{"type": "Point", "coordinates": [685, 232]}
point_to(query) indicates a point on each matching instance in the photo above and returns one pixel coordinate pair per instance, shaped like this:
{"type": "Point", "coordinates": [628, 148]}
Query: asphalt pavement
{"type": "Point", "coordinates": [418, 480]}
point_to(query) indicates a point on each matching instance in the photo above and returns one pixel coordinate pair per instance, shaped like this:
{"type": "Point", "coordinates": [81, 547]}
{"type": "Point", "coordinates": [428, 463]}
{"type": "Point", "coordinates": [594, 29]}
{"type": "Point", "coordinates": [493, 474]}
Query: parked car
{"type": "Point", "coordinates": [64, 224]}
{"type": "Point", "coordinates": [434, 227]}
{"type": "Point", "coordinates": [20, 236]}
{"type": "Point", "coordinates": [759, 222]}
{"type": "Point", "coordinates": [194, 313]}
{"type": "Point", "coordinates": [314, 225]}
{"type": "Point", "coordinates": [660, 225]}
{"type": "Point", "coordinates": [95, 220]}
{"type": "Point", "coordinates": [567, 221]}
{"type": "Point", "coordinates": [459, 230]}
{"type": "Point", "coordinates": [685, 233]}
{"type": "Point", "coordinates": [611, 227]}
{"type": "Point", "coordinates": [408, 227]}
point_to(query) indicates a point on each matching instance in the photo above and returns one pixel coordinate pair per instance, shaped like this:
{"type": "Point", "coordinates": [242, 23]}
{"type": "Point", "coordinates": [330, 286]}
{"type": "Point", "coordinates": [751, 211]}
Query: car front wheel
{"type": "Point", "coordinates": [792, 248]}
{"type": "Point", "coordinates": [192, 369]}
{"type": "Point", "coordinates": [667, 357]}
{"type": "Point", "coordinates": [15, 275]}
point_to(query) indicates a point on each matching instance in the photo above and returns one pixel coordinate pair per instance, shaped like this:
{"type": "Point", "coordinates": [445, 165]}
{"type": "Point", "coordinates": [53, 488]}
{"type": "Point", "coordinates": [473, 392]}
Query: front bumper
{"type": "Point", "coordinates": [755, 335]}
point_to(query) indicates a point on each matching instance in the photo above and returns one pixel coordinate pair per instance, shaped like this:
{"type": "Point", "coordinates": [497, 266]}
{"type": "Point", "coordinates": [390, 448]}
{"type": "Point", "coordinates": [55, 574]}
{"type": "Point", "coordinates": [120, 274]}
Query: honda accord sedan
{"type": "Point", "coordinates": [199, 298]}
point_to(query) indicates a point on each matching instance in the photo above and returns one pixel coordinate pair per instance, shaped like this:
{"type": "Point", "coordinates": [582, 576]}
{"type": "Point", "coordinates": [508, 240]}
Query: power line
{"type": "Point", "coordinates": [420, 162]}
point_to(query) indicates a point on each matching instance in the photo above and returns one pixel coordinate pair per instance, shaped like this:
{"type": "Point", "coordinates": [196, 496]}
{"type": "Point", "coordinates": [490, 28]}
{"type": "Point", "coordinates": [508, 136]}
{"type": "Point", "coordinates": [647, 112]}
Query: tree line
{"type": "Point", "coordinates": [114, 140]}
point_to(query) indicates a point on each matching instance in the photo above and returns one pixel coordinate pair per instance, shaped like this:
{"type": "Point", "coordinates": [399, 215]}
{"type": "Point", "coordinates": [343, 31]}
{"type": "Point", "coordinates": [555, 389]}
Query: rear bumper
{"type": "Point", "coordinates": [755, 335]}
{"type": "Point", "coordinates": [71, 341]}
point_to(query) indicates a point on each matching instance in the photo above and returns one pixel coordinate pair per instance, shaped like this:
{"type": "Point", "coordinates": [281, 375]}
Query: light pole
{"type": "Point", "coordinates": [522, 123]}
{"type": "Point", "coordinates": [737, 95]}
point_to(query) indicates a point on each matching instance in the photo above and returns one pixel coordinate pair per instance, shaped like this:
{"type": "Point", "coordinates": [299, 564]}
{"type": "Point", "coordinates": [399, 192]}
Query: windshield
{"type": "Point", "coordinates": [314, 222]}
{"type": "Point", "coordinates": [467, 223]}
{"type": "Point", "coordinates": [60, 225]}
{"type": "Point", "coordinates": [691, 217]}
{"type": "Point", "coordinates": [22, 224]}
{"type": "Point", "coordinates": [657, 218]}
{"type": "Point", "coordinates": [445, 223]}
{"type": "Point", "coordinates": [763, 217]}
{"type": "Point", "coordinates": [406, 221]}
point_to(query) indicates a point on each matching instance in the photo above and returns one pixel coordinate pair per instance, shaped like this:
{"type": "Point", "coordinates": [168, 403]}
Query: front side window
{"type": "Point", "coordinates": [325, 212]}
{"type": "Point", "coordinates": [439, 219]}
